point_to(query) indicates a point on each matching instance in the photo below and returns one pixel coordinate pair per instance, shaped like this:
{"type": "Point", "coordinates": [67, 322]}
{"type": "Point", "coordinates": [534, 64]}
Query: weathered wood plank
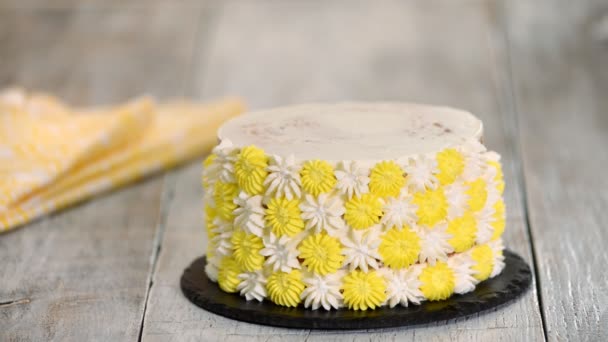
{"type": "Point", "coordinates": [84, 274]}
{"type": "Point", "coordinates": [81, 5]}
{"type": "Point", "coordinates": [559, 51]}
{"type": "Point", "coordinates": [99, 56]}
{"type": "Point", "coordinates": [276, 53]}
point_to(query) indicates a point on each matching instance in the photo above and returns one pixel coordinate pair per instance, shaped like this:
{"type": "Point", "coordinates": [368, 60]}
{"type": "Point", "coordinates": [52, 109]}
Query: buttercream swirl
{"type": "Point", "coordinates": [321, 253]}
{"type": "Point", "coordinates": [386, 179]}
{"type": "Point", "coordinates": [317, 177]}
{"type": "Point", "coordinates": [228, 274]}
{"type": "Point", "coordinates": [399, 247]}
{"type": "Point", "coordinates": [284, 288]}
{"type": "Point", "coordinates": [352, 180]}
{"type": "Point", "coordinates": [399, 211]}
{"type": "Point", "coordinates": [246, 250]}
{"type": "Point", "coordinates": [249, 214]}
{"type": "Point", "coordinates": [462, 265]}
{"type": "Point", "coordinates": [212, 271]}
{"type": "Point", "coordinates": [474, 167]}
{"type": "Point", "coordinates": [432, 206]}
{"type": "Point", "coordinates": [252, 285]}
{"type": "Point", "coordinates": [361, 248]}
{"type": "Point", "coordinates": [421, 171]}
{"type": "Point", "coordinates": [363, 212]}
{"type": "Point", "coordinates": [283, 178]}
{"type": "Point", "coordinates": [403, 286]}
{"type": "Point", "coordinates": [499, 259]}
{"type": "Point", "coordinates": [221, 233]}
{"type": "Point", "coordinates": [283, 216]}
{"type": "Point", "coordinates": [281, 253]}
{"type": "Point", "coordinates": [323, 291]}
{"type": "Point", "coordinates": [484, 220]}
{"type": "Point", "coordinates": [250, 170]}
{"type": "Point", "coordinates": [457, 197]}
{"type": "Point", "coordinates": [323, 213]}
{"type": "Point", "coordinates": [363, 290]}
{"type": "Point", "coordinates": [450, 163]}
{"type": "Point", "coordinates": [223, 163]}
{"type": "Point", "coordinates": [463, 230]}
{"type": "Point", "coordinates": [483, 257]}
{"type": "Point", "coordinates": [434, 244]}
{"type": "Point", "coordinates": [474, 163]}
{"type": "Point", "coordinates": [437, 281]}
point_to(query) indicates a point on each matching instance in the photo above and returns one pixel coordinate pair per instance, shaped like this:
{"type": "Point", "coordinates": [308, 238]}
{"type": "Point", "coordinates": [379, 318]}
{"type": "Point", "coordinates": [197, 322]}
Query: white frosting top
{"type": "Point", "coordinates": [353, 131]}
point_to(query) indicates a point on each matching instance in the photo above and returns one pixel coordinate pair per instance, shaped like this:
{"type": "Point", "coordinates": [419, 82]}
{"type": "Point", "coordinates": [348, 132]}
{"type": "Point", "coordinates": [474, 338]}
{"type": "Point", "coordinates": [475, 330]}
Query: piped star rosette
{"type": "Point", "coordinates": [358, 233]}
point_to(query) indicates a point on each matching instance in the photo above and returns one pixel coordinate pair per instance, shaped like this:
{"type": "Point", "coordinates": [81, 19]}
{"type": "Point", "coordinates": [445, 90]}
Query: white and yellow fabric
{"type": "Point", "coordinates": [52, 156]}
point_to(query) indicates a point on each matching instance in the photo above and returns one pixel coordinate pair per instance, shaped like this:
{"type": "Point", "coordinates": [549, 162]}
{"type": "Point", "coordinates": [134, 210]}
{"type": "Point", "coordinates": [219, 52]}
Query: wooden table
{"type": "Point", "coordinates": [535, 72]}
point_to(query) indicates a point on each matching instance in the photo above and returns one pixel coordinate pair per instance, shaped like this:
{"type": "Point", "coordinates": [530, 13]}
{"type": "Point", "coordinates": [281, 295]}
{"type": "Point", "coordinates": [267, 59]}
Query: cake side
{"type": "Point", "coordinates": [413, 227]}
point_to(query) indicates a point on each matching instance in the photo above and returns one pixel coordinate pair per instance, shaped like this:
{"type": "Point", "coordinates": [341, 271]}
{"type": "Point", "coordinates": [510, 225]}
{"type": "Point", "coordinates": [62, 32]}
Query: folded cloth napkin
{"type": "Point", "coordinates": [52, 156]}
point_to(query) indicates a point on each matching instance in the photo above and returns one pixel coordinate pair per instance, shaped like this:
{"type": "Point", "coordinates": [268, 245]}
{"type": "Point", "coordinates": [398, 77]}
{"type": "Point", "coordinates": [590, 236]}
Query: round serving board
{"type": "Point", "coordinates": [490, 294]}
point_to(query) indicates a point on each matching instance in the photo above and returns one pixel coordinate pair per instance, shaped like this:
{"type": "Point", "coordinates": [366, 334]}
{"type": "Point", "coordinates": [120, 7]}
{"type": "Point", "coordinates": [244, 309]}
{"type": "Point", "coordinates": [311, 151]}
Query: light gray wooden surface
{"type": "Point", "coordinates": [84, 274]}
{"type": "Point", "coordinates": [535, 72]}
{"type": "Point", "coordinates": [559, 58]}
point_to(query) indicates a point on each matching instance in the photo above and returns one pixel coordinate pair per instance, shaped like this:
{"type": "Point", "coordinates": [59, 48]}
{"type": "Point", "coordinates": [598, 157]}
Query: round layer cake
{"type": "Point", "coordinates": [354, 205]}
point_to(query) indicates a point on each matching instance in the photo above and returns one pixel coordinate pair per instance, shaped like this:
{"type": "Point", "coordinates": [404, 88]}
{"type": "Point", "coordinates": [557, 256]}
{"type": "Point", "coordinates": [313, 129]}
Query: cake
{"type": "Point", "coordinates": [353, 206]}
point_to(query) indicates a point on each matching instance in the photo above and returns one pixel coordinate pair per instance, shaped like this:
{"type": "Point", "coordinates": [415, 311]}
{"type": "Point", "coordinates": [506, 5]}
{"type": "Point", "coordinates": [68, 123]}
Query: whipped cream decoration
{"type": "Point", "coordinates": [499, 259]}
{"type": "Point", "coordinates": [434, 243]}
{"type": "Point", "coordinates": [249, 214]}
{"type": "Point", "coordinates": [361, 248]}
{"type": "Point", "coordinates": [323, 291]}
{"type": "Point", "coordinates": [211, 169]}
{"type": "Point", "coordinates": [224, 160]}
{"type": "Point", "coordinates": [399, 212]}
{"type": "Point", "coordinates": [210, 174]}
{"type": "Point", "coordinates": [474, 166]}
{"type": "Point", "coordinates": [222, 232]}
{"type": "Point", "coordinates": [283, 178]}
{"type": "Point", "coordinates": [323, 213]}
{"type": "Point", "coordinates": [457, 197]}
{"type": "Point", "coordinates": [211, 270]}
{"type": "Point", "coordinates": [474, 162]}
{"type": "Point", "coordinates": [484, 224]}
{"type": "Point", "coordinates": [208, 199]}
{"type": "Point", "coordinates": [282, 253]}
{"type": "Point", "coordinates": [352, 179]}
{"type": "Point", "coordinates": [421, 172]}
{"type": "Point", "coordinates": [462, 264]}
{"type": "Point", "coordinates": [252, 285]}
{"type": "Point", "coordinates": [492, 188]}
{"type": "Point", "coordinates": [473, 146]}
{"type": "Point", "coordinates": [403, 286]}
{"type": "Point", "coordinates": [491, 156]}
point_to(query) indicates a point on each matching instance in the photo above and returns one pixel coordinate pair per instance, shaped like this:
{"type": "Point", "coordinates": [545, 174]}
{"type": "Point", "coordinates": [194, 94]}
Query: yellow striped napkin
{"type": "Point", "coordinates": [52, 156]}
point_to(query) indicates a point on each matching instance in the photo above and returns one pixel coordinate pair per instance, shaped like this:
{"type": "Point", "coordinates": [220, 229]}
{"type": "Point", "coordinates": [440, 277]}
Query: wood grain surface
{"type": "Point", "coordinates": [534, 72]}
{"type": "Point", "coordinates": [83, 274]}
{"type": "Point", "coordinates": [559, 54]}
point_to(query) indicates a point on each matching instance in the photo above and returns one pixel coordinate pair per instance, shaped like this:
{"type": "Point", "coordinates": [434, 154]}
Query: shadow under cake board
{"type": "Point", "coordinates": [511, 283]}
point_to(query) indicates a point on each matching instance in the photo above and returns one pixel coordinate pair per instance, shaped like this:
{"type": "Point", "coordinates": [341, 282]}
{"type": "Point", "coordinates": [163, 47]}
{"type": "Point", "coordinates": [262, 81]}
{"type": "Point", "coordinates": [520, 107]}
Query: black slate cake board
{"type": "Point", "coordinates": [490, 294]}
